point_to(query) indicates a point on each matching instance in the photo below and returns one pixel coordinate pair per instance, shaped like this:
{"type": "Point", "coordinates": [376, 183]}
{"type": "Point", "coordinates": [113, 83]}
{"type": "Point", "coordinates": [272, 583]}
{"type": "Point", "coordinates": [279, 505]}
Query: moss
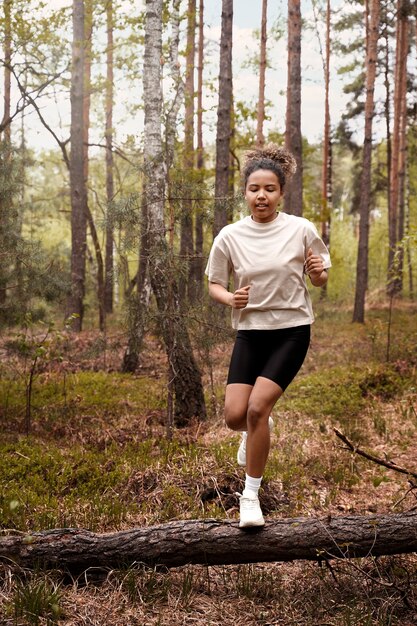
{"type": "Point", "coordinates": [86, 394]}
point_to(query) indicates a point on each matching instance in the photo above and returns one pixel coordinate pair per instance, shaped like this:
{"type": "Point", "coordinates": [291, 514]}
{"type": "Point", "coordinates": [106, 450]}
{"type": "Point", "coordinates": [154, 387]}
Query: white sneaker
{"type": "Point", "coordinates": [241, 453]}
{"type": "Point", "coordinates": [250, 512]}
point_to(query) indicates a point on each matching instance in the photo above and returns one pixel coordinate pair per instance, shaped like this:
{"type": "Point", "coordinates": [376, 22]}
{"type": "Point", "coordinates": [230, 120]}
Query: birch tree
{"type": "Point", "coordinates": [186, 378]}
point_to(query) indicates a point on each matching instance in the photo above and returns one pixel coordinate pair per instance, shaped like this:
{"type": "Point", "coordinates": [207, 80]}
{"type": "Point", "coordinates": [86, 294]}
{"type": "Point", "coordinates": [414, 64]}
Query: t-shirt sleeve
{"type": "Point", "coordinates": [218, 267]}
{"type": "Point", "coordinates": [314, 241]}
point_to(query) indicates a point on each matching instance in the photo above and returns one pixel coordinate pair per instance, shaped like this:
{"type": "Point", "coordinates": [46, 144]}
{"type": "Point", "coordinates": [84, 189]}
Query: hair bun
{"type": "Point", "coordinates": [271, 151]}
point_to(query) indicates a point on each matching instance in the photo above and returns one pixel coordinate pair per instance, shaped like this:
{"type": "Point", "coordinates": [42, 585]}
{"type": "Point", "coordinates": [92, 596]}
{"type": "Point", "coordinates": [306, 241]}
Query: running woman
{"type": "Point", "coordinates": [268, 254]}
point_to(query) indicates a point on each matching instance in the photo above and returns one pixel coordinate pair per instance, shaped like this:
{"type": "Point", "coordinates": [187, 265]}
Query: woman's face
{"type": "Point", "coordinates": [263, 194]}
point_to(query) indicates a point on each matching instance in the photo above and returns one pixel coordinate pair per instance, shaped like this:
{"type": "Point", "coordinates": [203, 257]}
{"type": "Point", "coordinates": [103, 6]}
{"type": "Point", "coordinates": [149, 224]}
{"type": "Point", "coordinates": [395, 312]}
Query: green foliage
{"type": "Point", "coordinates": [37, 599]}
{"type": "Point", "coordinates": [59, 396]}
{"type": "Point", "coordinates": [253, 582]}
{"type": "Point", "coordinates": [29, 275]}
{"type": "Point", "coordinates": [145, 585]}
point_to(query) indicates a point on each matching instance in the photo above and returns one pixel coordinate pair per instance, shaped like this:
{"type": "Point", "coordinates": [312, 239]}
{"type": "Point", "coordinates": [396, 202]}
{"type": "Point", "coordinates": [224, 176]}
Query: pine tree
{"type": "Point", "coordinates": [224, 120]}
{"type": "Point", "coordinates": [372, 31]}
{"type": "Point", "coordinates": [293, 199]}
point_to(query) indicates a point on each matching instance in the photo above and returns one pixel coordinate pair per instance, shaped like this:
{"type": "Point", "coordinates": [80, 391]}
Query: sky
{"type": "Point", "coordinates": [247, 17]}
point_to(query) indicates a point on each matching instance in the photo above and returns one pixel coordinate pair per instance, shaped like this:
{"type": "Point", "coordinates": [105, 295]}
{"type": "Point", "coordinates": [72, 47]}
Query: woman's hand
{"type": "Point", "coordinates": [313, 266]}
{"type": "Point", "coordinates": [240, 298]}
{"type": "Point", "coordinates": [237, 300]}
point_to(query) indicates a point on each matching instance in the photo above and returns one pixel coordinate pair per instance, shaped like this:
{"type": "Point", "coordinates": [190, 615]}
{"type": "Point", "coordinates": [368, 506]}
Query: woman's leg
{"type": "Point", "coordinates": [236, 403]}
{"type": "Point", "coordinates": [261, 401]}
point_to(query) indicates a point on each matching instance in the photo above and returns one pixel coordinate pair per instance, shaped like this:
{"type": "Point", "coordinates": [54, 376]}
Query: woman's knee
{"type": "Point", "coordinates": [257, 413]}
{"type": "Point", "coordinates": [235, 419]}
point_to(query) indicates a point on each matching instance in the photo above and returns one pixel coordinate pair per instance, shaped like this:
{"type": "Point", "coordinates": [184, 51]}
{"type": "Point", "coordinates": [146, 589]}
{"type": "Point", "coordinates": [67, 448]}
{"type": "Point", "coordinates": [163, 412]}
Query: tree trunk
{"type": "Point", "coordinates": [293, 199]}
{"type": "Point", "coordinates": [88, 29]}
{"type": "Point", "coordinates": [216, 542]}
{"type": "Point", "coordinates": [387, 109]}
{"type": "Point", "coordinates": [109, 261]}
{"type": "Point", "coordinates": [402, 167]}
{"type": "Point", "coordinates": [326, 192]}
{"type": "Point", "coordinates": [186, 240]}
{"type": "Point", "coordinates": [260, 138]}
{"type": "Point", "coordinates": [186, 381]}
{"type": "Point", "coordinates": [198, 269]}
{"type": "Point", "coordinates": [7, 51]}
{"type": "Point", "coordinates": [179, 88]}
{"type": "Point", "coordinates": [5, 198]}
{"type": "Point", "coordinates": [139, 300]}
{"type": "Point", "coordinates": [326, 168]}
{"type": "Point", "coordinates": [372, 28]}
{"type": "Point", "coordinates": [75, 303]}
{"type": "Point", "coordinates": [224, 119]}
{"type": "Point", "coordinates": [399, 95]}
{"type": "Point", "coordinates": [407, 251]}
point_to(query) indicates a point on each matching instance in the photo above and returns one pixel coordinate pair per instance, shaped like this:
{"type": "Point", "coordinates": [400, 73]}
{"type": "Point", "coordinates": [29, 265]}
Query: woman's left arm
{"type": "Point", "coordinates": [313, 267]}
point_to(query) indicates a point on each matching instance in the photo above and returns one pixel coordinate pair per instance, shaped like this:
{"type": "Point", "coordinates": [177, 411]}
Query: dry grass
{"type": "Point", "coordinates": [345, 382]}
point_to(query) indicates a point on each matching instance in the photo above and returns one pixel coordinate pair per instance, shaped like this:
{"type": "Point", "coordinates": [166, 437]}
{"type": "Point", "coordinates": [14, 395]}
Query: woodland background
{"type": "Point", "coordinates": [122, 138]}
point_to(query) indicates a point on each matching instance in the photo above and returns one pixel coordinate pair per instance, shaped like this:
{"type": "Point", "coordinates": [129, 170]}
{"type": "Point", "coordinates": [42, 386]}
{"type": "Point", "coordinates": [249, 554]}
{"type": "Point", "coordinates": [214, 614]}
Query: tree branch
{"type": "Point", "coordinates": [389, 464]}
{"type": "Point", "coordinates": [27, 96]}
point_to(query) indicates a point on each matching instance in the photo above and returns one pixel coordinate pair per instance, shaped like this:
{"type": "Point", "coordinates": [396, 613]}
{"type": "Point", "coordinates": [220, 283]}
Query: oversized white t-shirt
{"type": "Point", "coordinates": [270, 257]}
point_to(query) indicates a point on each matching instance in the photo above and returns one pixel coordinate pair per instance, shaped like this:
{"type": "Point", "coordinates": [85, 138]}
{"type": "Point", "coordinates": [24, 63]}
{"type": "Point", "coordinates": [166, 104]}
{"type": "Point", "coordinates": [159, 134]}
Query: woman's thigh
{"type": "Point", "coordinates": [236, 403]}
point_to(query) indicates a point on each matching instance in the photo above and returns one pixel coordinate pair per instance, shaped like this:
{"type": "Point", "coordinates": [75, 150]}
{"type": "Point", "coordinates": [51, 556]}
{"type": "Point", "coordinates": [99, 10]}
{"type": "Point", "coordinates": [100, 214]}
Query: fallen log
{"type": "Point", "coordinates": [216, 542]}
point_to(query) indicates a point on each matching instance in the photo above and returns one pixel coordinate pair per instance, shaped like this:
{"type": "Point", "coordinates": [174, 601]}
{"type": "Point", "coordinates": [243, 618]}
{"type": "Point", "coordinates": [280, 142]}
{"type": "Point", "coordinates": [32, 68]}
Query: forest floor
{"type": "Point", "coordinates": [90, 450]}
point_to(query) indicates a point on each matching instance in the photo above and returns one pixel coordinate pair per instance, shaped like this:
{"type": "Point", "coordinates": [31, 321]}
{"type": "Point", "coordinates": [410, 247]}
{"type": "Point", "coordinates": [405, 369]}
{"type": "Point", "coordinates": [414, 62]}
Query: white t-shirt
{"type": "Point", "coordinates": [270, 257]}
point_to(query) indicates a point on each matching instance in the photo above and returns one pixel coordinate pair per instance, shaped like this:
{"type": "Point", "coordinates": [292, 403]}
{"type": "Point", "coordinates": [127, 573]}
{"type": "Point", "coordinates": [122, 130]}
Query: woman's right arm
{"type": "Point", "coordinates": [237, 300]}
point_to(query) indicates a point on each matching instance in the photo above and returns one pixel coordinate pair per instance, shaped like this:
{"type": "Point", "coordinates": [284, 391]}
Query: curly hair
{"type": "Point", "coordinates": [269, 157]}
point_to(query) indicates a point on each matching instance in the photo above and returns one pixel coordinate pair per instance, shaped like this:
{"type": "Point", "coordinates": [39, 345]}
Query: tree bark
{"type": "Point", "coordinates": [326, 168]}
{"type": "Point", "coordinates": [75, 303]}
{"type": "Point", "coordinates": [402, 167]}
{"type": "Point", "coordinates": [185, 375]}
{"type": "Point", "coordinates": [7, 51]}
{"type": "Point", "coordinates": [293, 199]}
{"type": "Point", "coordinates": [109, 261]}
{"type": "Point", "coordinates": [139, 301]}
{"type": "Point", "coordinates": [197, 264]}
{"type": "Point", "coordinates": [372, 29]}
{"type": "Point", "coordinates": [224, 119]}
{"type": "Point", "coordinates": [387, 105]}
{"type": "Point", "coordinates": [260, 138]}
{"type": "Point", "coordinates": [88, 51]}
{"type": "Point", "coordinates": [5, 197]}
{"type": "Point", "coordinates": [399, 96]}
{"type": "Point", "coordinates": [186, 239]}
{"type": "Point", "coordinates": [216, 542]}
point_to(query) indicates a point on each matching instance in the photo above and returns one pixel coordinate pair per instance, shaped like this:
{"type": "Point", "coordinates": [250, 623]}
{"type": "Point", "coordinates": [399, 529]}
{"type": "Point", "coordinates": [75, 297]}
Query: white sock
{"type": "Point", "coordinates": [252, 486]}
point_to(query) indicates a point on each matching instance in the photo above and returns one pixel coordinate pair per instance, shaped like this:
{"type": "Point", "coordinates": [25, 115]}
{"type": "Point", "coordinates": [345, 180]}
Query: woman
{"type": "Point", "coordinates": [269, 254]}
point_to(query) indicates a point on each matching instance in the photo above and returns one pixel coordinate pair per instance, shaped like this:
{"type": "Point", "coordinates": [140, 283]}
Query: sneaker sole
{"type": "Point", "coordinates": [258, 522]}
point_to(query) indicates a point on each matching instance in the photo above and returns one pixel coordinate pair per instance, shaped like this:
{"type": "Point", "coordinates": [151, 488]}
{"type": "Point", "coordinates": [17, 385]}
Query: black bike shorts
{"type": "Point", "coordinates": [274, 354]}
